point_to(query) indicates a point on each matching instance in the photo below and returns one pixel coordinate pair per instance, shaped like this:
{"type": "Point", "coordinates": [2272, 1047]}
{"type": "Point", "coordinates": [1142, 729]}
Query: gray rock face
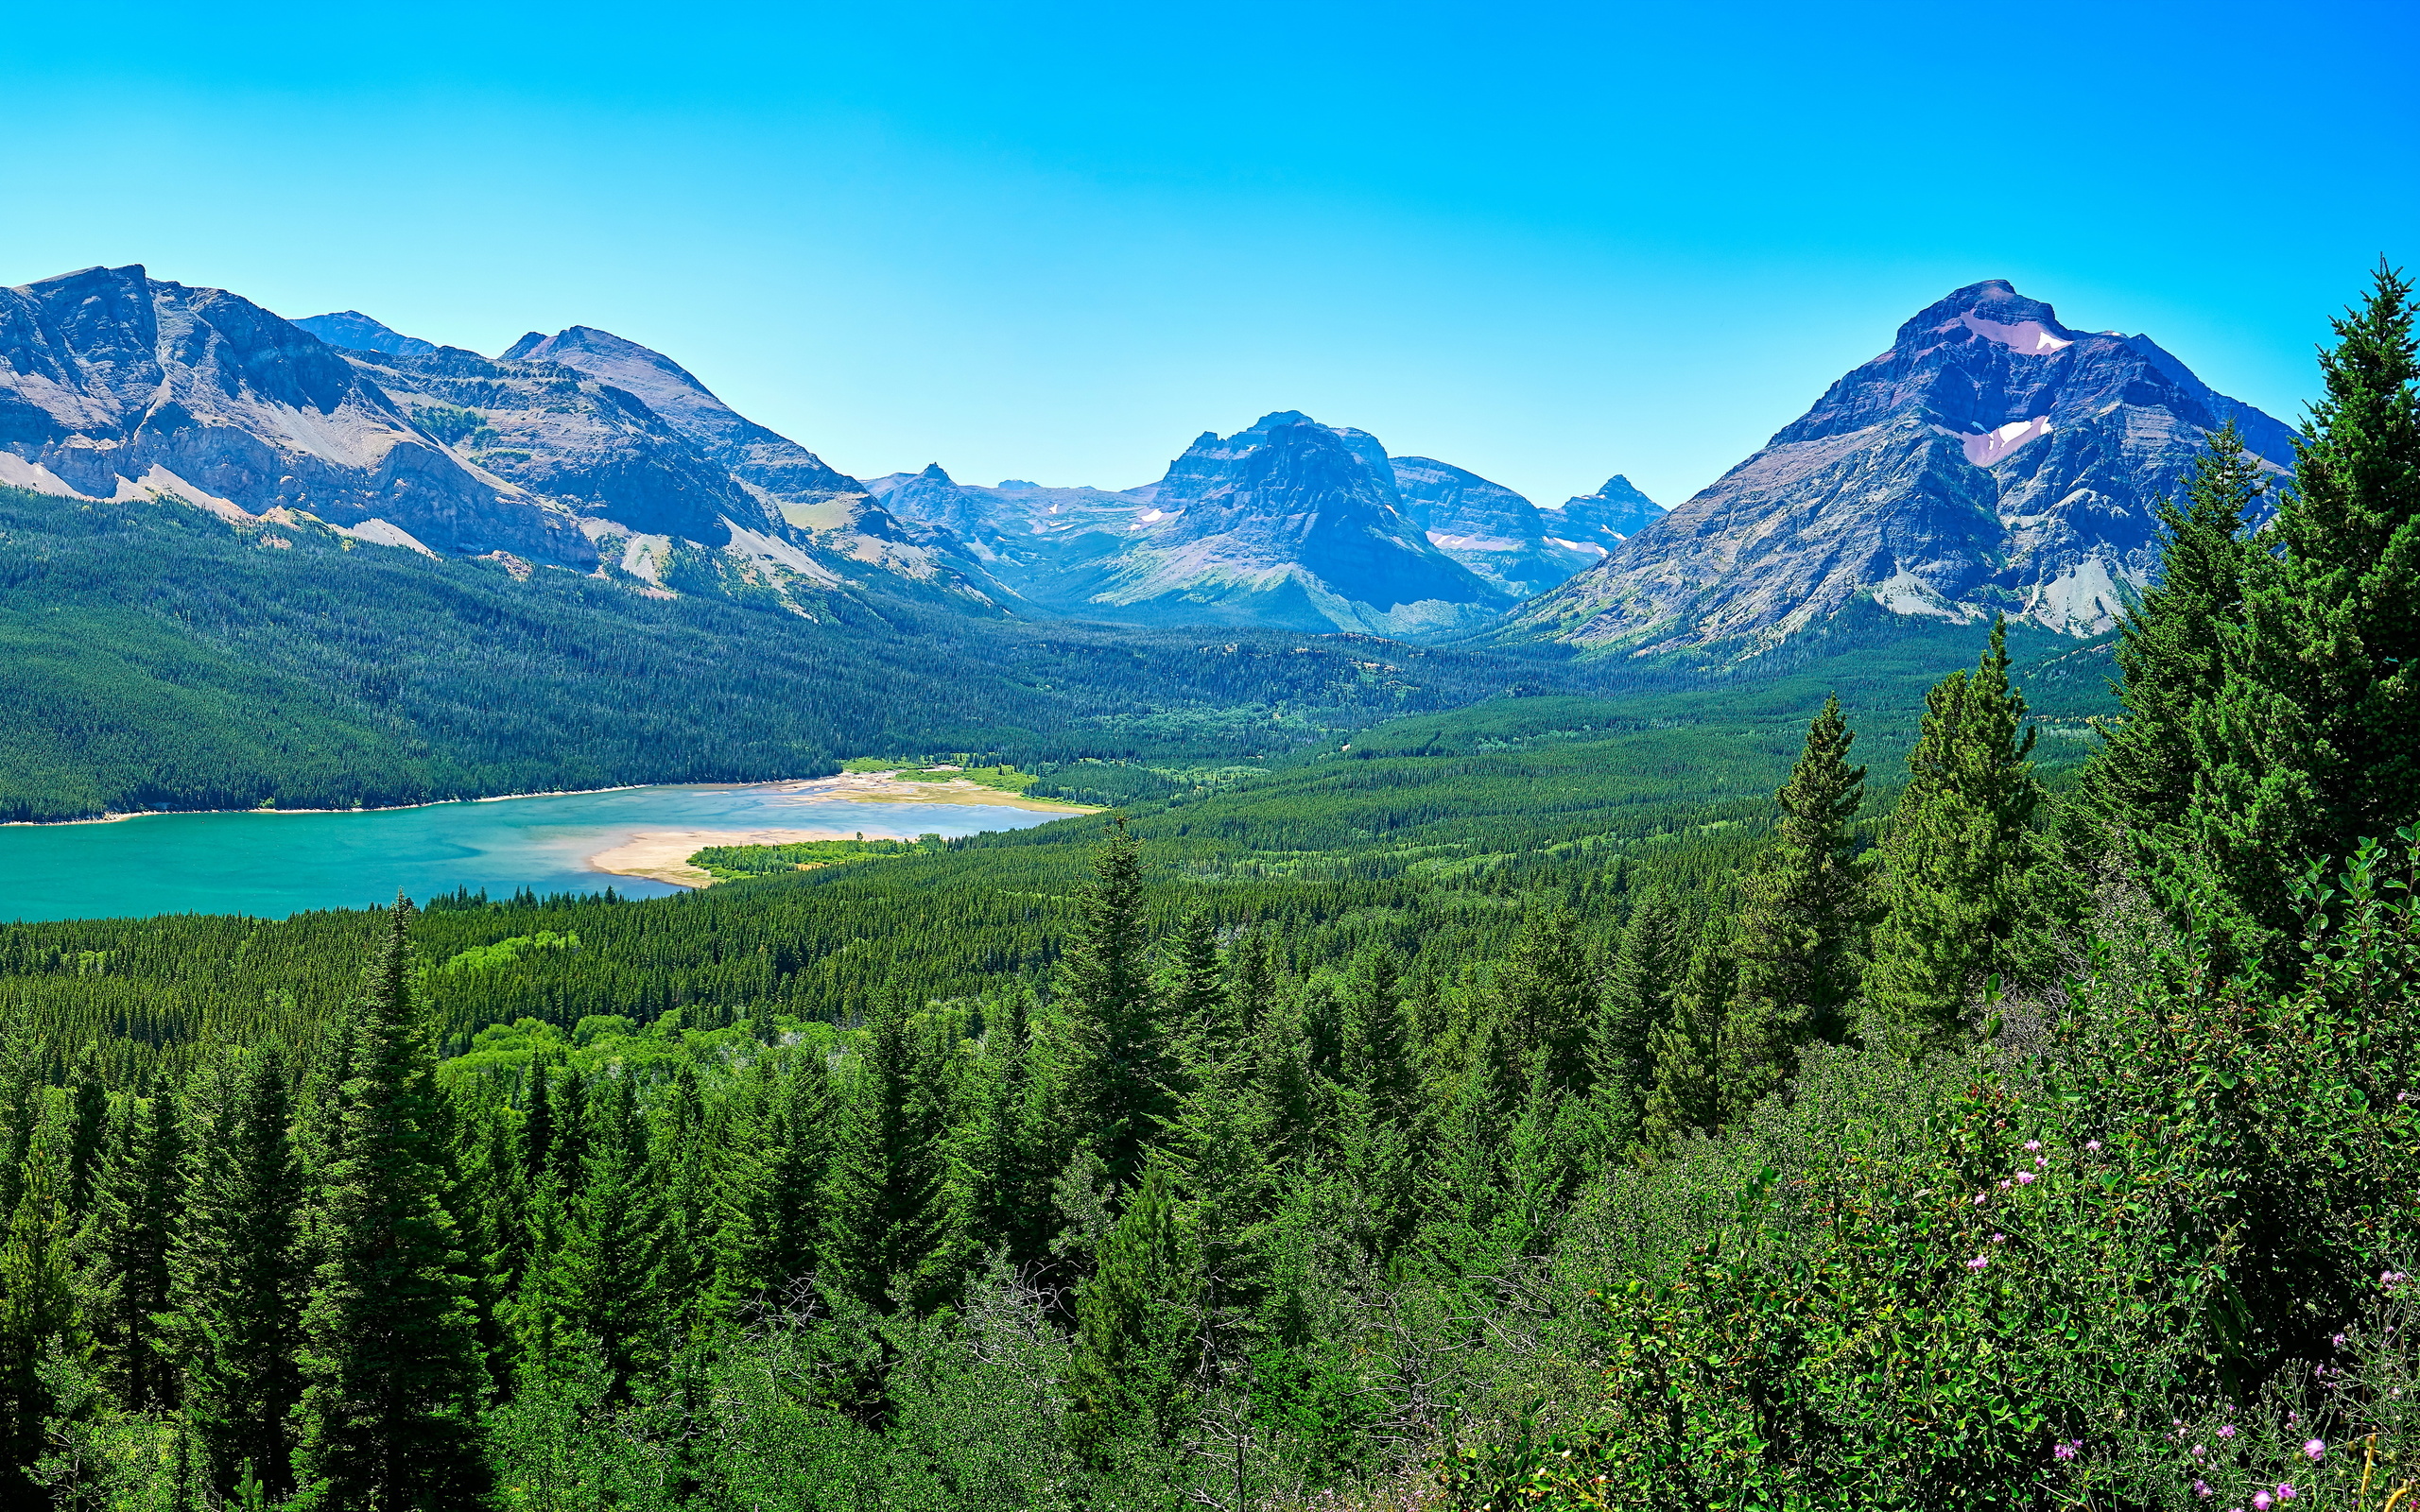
{"type": "Point", "coordinates": [1991, 460]}
{"type": "Point", "coordinates": [1487, 527]}
{"type": "Point", "coordinates": [1602, 520]}
{"type": "Point", "coordinates": [1288, 523]}
{"type": "Point", "coordinates": [114, 385]}
{"type": "Point", "coordinates": [356, 332]}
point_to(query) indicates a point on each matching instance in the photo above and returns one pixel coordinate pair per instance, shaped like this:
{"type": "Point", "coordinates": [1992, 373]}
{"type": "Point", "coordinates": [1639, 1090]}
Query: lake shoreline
{"type": "Point", "coordinates": [382, 808]}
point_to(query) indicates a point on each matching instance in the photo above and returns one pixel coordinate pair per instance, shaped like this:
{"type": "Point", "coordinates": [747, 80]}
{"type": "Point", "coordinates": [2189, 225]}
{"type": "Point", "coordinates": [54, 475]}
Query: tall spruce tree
{"type": "Point", "coordinates": [1961, 885]}
{"type": "Point", "coordinates": [1639, 989]}
{"type": "Point", "coordinates": [1010, 1197]}
{"type": "Point", "coordinates": [1119, 1081]}
{"type": "Point", "coordinates": [1136, 1325]}
{"type": "Point", "coordinates": [888, 1223]}
{"type": "Point", "coordinates": [1803, 920]}
{"type": "Point", "coordinates": [1687, 1097]}
{"type": "Point", "coordinates": [1550, 1002]}
{"type": "Point", "coordinates": [391, 1353]}
{"type": "Point", "coordinates": [36, 1298]}
{"type": "Point", "coordinates": [122, 1251]}
{"type": "Point", "coordinates": [2310, 746]}
{"type": "Point", "coordinates": [2137, 786]}
{"type": "Point", "coordinates": [236, 1285]}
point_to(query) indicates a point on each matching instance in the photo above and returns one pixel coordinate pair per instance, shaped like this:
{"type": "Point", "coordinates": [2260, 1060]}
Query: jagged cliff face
{"type": "Point", "coordinates": [116, 386]}
{"type": "Point", "coordinates": [583, 451]}
{"type": "Point", "coordinates": [1992, 461]}
{"type": "Point", "coordinates": [1287, 524]}
{"type": "Point", "coordinates": [1487, 527]}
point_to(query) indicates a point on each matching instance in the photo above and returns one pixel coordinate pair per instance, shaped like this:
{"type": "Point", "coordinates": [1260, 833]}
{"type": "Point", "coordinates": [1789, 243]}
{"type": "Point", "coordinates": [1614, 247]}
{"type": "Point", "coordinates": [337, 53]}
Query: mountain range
{"type": "Point", "coordinates": [1991, 460]}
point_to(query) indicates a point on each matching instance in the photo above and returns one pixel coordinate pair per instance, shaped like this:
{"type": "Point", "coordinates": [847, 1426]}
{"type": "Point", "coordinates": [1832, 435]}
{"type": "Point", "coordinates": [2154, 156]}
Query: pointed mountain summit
{"type": "Point", "coordinates": [356, 332]}
{"type": "Point", "coordinates": [1287, 524]}
{"type": "Point", "coordinates": [1604, 519]}
{"type": "Point", "coordinates": [774, 462]}
{"type": "Point", "coordinates": [1992, 461]}
{"type": "Point", "coordinates": [1294, 523]}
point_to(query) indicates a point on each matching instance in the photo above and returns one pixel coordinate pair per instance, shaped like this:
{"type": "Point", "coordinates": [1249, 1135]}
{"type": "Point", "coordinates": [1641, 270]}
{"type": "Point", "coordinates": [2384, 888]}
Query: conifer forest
{"type": "Point", "coordinates": [1674, 1092]}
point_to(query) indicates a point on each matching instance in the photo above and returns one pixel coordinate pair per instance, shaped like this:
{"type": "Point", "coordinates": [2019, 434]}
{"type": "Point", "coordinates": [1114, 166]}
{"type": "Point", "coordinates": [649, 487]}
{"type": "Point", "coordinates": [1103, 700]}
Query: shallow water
{"type": "Point", "coordinates": [272, 865]}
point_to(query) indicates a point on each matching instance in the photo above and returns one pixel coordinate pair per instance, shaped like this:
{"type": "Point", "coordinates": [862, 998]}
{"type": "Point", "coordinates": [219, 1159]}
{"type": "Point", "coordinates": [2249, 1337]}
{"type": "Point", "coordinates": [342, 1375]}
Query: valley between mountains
{"type": "Point", "coordinates": [342, 564]}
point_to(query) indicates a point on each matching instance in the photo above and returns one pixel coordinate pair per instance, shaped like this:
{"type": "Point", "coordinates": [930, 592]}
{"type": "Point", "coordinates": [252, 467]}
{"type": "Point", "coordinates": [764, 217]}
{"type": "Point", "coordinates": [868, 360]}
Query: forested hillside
{"type": "Point", "coordinates": [1721, 1096]}
{"type": "Point", "coordinates": [153, 656]}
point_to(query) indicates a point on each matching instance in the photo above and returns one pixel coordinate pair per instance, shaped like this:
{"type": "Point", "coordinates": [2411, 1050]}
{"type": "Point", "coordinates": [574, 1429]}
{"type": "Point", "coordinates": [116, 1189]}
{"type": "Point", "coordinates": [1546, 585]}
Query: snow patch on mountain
{"type": "Point", "coordinates": [2029, 336]}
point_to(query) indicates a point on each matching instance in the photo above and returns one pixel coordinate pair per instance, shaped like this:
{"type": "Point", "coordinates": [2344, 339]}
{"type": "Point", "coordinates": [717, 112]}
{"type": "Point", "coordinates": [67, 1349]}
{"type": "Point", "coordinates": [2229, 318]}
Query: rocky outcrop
{"type": "Point", "coordinates": [1992, 461]}
{"type": "Point", "coordinates": [114, 385]}
{"type": "Point", "coordinates": [1486, 527]}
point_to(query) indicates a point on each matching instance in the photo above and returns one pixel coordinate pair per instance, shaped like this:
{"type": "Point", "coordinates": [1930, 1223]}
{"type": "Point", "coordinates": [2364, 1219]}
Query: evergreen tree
{"type": "Point", "coordinates": [236, 1282]}
{"type": "Point", "coordinates": [887, 1222]}
{"type": "Point", "coordinates": [1688, 1094]}
{"type": "Point", "coordinates": [1550, 1002]}
{"type": "Point", "coordinates": [2171, 657]}
{"type": "Point", "coordinates": [123, 1279]}
{"type": "Point", "coordinates": [1379, 1060]}
{"type": "Point", "coordinates": [1802, 921]}
{"type": "Point", "coordinates": [1119, 1081]}
{"type": "Point", "coordinates": [1136, 1325]}
{"type": "Point", "coordinates": [1010, 1189]}
{"type": "Point", "coordinates": [538, 1124]}
{"type": "Point", "coordinates": [1639, 990]}
{"type": "Point", "coordinates": [2308, 747]}
{"type": "Point", "coordinates": [390, 1355]}
{"type": "Point", "coordinates": [609, 1242]}
{"type": "Point", "coordinates": [1960, 863]}
{"type": "Point", "coordinates": [1193, 989]}
{"type": "Point", "coordinates": [37, 1297]}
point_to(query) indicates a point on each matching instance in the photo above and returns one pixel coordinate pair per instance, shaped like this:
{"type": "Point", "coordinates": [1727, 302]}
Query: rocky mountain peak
{"type": "Point", "coordinates": [1994, 459]}
{"type": "Point", "coordinates": [356, 332]}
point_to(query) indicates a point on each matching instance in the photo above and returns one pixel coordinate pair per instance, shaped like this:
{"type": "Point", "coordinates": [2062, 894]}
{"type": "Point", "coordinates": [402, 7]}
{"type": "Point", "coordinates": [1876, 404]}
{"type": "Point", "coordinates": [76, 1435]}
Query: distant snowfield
{"type": "Point", "coordinates": [1992, 445]}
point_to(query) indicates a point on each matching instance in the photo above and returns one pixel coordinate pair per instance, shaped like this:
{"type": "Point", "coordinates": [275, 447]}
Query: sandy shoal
{"type": "Point", "coordinates": [662, 855]}
{"type": "Point", "coordinates": [886, 787]}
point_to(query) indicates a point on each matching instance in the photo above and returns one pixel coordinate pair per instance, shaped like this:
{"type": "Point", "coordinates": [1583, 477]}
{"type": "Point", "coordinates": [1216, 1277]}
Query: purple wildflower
{"type": "Point", "coordinates": [1978, 1262]}
{"type": "Point", "coordinates": [2315, 1450]}
{"type": "Point", "coordinates": [2285, 1490]}
{"type": "Point", "coordinates": [2200, 1488]}
{"type": "Point", "coordinates": [2227, 1431]}
{"type": "Point", "coordinates": [2199, 1451]}
{"type": "Point", "coordinates": [1999, 1239]}
{"type": "Point", "coordinates": [2024, 1177]}
{"type": "Point", "coordinates": [2033, 1144]}
{"type": "Point", "coordinates": [2063, 1450]}
{"type": "Point", "coordinates": [2092, 1144]}
{"type": "Point", "coordinates": [2260, 1501]}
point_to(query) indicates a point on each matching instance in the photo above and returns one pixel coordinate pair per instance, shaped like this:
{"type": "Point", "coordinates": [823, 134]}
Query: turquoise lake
{"type": "Point", "coordinates": [272, 865]}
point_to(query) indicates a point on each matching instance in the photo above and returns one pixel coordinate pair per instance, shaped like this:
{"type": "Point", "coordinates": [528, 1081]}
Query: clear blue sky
{"type": "Point", "coordinates": [1545, 242]}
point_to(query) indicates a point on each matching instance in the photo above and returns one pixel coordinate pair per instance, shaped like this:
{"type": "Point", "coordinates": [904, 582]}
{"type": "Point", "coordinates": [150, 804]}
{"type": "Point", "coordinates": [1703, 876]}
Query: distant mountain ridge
{"type": "Point", "coordinates": [1992, 461]}
{"type": "Point", "coordinates": [1285, 523]}
{"type": "Point", "coordinates": [114, 385]}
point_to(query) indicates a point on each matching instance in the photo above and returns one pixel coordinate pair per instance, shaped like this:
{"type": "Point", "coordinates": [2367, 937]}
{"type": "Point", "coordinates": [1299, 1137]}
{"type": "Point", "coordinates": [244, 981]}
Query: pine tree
{"type": "Point", "coordinates": [1010, 1199]}
{"type": "Point", "coordinates": [2171, 657]}
{"type": "Point", "coordinates": [1802, 921]}
{"type": "Point", "coordinates": [37, 1297]}
{"type": "Point", "coordinates": [1119, 1084]}
{"type": "Point", "coordinates": [2310, 747]}
{"type": "Point", "coordinates": [1136, 1324]}
{"type": "Point", "coordinates": [1688, 1094]}
{"type": "Point", "coordinates": [1379, 1061]}
{"type": "Point", "coordinates": [1960, 863]}
{"type": "Point", "coordinates": [122, 1252]}
{"type": "Point", "coordinates": [236, 1284]}
{"type": "Point", "coordinates": [1193, 988]}
{"type": "Point", "coordinates": [608, 1242]}
{"type": "Point", "coordinates": [1639, 991]}
{"type": "Point", "coordinates": [1549, 1000]}
{"type": "Point", "coordinates": [390, 1355]}
{"type": "Point", "coordinates": [887, 1231]}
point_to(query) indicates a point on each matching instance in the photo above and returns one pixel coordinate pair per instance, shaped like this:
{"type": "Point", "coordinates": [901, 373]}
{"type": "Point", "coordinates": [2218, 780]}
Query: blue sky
{"type": "Point", "coordinates": [1545, 242]}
